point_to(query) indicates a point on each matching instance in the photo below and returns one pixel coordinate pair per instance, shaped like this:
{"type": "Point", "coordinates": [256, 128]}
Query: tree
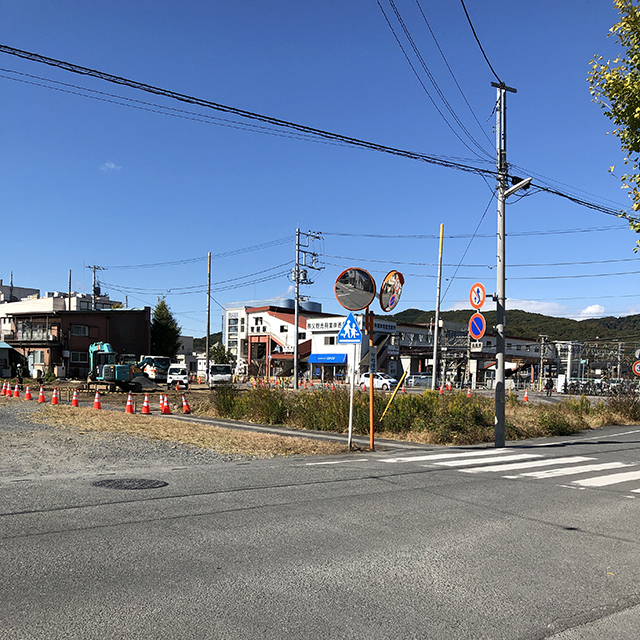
{"type": "Point", "coordinates": [220, 355]}
{"type": "Point", "coordinates": [165, 331]}
{"type": "Point", "coordinates": [615, 86]}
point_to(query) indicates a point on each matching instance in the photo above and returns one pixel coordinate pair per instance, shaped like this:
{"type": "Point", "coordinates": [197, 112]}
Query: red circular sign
{"type": "Point", "coordinates": [636, 367]}
{"type": "Point", "coordinates": [477, 326]}
{"type": "Point", "coordinates": [477, 295]}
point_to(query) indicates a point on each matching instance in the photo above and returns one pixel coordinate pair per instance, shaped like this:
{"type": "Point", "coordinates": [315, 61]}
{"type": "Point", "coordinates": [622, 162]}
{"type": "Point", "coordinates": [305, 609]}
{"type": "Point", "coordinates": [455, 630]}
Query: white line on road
{"type": "Point", "coordinates": [604, 481]}
{"type": "Point", "coordinates": [311, 464]}
{"type": "Point", "coordinates": [443, 456]}
{"type": "Point", "coordinates": [528, 465]}
{"type": "Point", "coordinates": [467, 463]}
{"type": "Point", "coordinates": [570, 471]}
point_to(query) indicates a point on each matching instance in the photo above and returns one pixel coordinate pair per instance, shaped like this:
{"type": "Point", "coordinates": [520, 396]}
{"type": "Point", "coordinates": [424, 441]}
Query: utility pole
{"type": "Point", "coordinates": [500, 296]}
{"type": "Point", "coordinates": [95, 290]}
{"type": "Point", "coordinates": [207, 346]}
{"type": "Point", "coordinates": [541, 372]}
{"type": "Point", "coordinates": [300, 276]}
{"type": "Point", "coordinates": [69, 298]}
{"type": "Point", "coordinates": [437, 323]}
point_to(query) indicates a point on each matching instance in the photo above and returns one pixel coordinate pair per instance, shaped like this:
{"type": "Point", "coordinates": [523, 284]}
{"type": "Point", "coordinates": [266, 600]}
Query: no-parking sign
{"type": "Point", "coordinates": [478, 325]}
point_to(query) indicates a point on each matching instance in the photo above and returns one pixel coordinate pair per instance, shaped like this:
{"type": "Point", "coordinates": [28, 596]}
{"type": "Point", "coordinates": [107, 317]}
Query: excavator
{"type": "Point", "coordinates": [105, 366]}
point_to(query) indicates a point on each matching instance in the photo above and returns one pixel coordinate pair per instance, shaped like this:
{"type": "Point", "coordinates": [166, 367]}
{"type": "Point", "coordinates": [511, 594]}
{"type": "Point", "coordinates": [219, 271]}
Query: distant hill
{"type": "Point", "coordinates": [522, 324]}
{"type": "Point", "coordinates": [200, 344]}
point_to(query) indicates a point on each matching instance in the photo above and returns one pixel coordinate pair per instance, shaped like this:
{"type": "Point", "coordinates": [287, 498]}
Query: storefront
{"type": "Point", "coordinates": [328, 366]}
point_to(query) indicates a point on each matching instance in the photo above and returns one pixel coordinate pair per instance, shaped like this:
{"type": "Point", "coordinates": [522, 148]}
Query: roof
{"type": "Point", "coordinates": [4, 345]}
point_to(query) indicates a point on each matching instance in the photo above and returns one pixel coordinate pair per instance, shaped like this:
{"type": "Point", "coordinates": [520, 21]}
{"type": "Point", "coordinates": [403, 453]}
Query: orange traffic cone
{"type": "Point", "coordinates": [27, 393]}
{"type": "Point", "coordinates": [161, 403]}
{"type": "Point", "coordinates": [305, 384]}
{"type": "Point", "coordinates": [74, 400]}
{"type": "Point", "coordinates": [96, 401]}
{"type": "Point", "coordinates": [4, 389]}
{"type": "Point", "coordinates": [54, 398]}
{"type": "Point", "coordinates": [526, 395]}
{"type": "Point", "coordinates": [441, 391]}
{"type": "Point", "coordinates": [129, 407]}
{"type": "Point", "coordinates": [469, 392]}
{"type": "Point", "coordinates": [16, 391]}
{"type": "Point", "coordinates": [41, 397]}
{"type": "Point", "coordinates": [146, 409]}
{"type": "Point", "coordinates": [185, 405]}
{"type": "Point", "coordinates": [333, 386]}
{"type": "Point", "coordinates": [402, 390]}
{"type": "Point", "coordinates": [166, 409]}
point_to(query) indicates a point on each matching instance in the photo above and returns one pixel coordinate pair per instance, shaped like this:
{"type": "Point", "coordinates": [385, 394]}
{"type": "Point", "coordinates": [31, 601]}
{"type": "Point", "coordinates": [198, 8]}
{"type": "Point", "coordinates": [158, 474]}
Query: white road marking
{"type": "Point", "coordinates": [311, 464]}
{"type": "Point", "coordinates": [443, 456]}
{"type": "Point", "coordinates": [603, 481]}
{"type": "Point", "coordinates": [528, 465]}
{"type": "Point", "coordinates": [467, 463]}
{"type": "Point", "coordinates": [570, 471]}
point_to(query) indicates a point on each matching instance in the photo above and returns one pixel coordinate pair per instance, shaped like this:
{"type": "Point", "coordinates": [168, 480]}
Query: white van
{"type": "Point", "coordinates": [220, 374]}
{"type": "Point", "coordinates": [177, 375]}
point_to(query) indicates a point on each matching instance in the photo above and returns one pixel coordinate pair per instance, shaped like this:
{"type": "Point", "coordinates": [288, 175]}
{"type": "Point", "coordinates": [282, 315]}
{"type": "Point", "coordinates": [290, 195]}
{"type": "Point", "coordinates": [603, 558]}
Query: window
{"type": "Point", "coordinates": [302, 336]}
{"type": "Point", "coordinates": [79, 356]}
{"type": "Point", "coordinates": [38, 357]}
{"type": "Point", "coordinates": [518, 347]}
{"type": "Point", "coordinates": [488, 343]}
{"type": "Point", "coordinates": [284, 328]}
{"type": "Point", "coordinates": [79, 330]}
{"type": "Point", "coordinates": [257, 320]}
{"type": "Point", "coordinates": [329, 340]}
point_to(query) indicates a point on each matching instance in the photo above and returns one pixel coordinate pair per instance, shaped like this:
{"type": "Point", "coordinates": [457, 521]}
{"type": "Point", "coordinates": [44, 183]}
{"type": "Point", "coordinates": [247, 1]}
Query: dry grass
{"type": "Point", "coordinates": [227, 441]}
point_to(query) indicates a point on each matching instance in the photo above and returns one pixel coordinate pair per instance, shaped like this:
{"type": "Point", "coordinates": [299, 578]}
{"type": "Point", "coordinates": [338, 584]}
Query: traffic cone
{"type": "Point", "coordinates": [526, 395]}
{"type": "Point", "coordinates": [333, 386]}
{"type": "Point", "coordinates": [54, 398]}
{"type": "Point", "coordinates": [41, 397]}
{"type": "Point", "coordinates": [4, 389]}
{"type": "Point", "coordinates": [402, 390]}
{"type": "Point", "coordinates": [146, 409]}
{"type": "Point", "coordinates": [469, 392]}
{"type": "Point", "coordinates": [129, 407]}
{"type": "Point", "coordinates": [96, 401]}
{"type": "Point", "coordinates": [441, 391]}
{"type": "Point", "coordinates": [27, 393]}
{"type": "Point", "coordinates": [185, 405]}
{"type": "Point", "coordinates": [305, 384]}
{"type": "Point", "coordinates": [74, 400]}
{"type": "Point", "coordinates": [161, 403]}
{"type": "Point", "coordinates": [16, 391]}
{"type": "Point", "coordinates": [166, 409]}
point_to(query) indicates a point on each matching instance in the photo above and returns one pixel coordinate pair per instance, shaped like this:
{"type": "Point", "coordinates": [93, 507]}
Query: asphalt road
{"type": "Point", "coordinates": [538, 540]}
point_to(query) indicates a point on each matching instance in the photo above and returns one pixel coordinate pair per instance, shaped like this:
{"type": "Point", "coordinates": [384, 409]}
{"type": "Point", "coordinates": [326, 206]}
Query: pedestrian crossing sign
{"type": "Point", "coordinates": [350, 332]}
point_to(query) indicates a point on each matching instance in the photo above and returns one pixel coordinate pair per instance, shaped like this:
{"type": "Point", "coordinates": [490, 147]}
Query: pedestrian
{"type": "Point", "coordinates": [549, 386]}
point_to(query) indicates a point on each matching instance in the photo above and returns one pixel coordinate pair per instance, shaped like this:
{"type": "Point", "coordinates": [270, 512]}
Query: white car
{"type": "Point", "coordinates": [177, 375]}
{"type": "Point", "coordinates": [380, 381]}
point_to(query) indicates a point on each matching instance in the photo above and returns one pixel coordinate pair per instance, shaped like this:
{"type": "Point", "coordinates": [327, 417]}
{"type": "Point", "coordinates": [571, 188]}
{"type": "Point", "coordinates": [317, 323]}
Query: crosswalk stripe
{"type": "Point", "coordinates": [528, 465]}
{"type": "Point", "coordinates": [570, 471]}
{"type": "Point", "coordinates": [443, 456]}
{"type": "Point", "coordinates": [603, 481]}
{"type": "Point", "coordinates": [467, 463]}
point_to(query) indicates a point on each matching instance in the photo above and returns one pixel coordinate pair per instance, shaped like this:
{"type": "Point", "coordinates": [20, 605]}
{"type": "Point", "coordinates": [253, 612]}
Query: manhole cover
{"type": "Point", "coordinates": [130, 483]}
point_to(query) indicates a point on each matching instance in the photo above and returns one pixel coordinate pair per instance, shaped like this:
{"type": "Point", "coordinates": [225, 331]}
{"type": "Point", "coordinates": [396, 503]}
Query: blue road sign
{"type": "Point", "coordinates": [350, 332]}
{"type": "Point", "coordinates": [477, 326]}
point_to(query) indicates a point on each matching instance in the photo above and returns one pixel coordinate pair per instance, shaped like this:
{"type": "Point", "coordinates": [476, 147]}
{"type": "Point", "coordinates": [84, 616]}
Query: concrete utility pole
{"type": "Point", "coordinates": [207, 345]}
{"type": "Point", "coordinates": [500, 297]}
{"type": "Point", "coordinates": [437, 323]}
{"type": "Point", "coordinates": [95, 288]}
{"type": "Point", "coordinates": [300, 277]}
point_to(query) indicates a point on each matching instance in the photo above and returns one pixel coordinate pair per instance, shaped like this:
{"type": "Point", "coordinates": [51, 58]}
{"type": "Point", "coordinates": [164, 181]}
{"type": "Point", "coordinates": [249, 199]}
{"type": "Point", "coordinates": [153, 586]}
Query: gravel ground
{"type": "Point", "coordinates": [28, 449]}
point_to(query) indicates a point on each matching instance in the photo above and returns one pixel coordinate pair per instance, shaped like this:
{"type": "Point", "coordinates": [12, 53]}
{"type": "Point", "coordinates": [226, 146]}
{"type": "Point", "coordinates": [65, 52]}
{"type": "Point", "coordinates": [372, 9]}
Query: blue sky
{"type": "Point", "coordinates": [90, 182]}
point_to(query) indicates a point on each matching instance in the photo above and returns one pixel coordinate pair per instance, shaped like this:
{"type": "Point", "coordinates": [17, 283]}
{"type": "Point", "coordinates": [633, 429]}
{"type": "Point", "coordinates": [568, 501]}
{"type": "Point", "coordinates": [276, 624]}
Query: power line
{"type": "Point", "coordinates": [455, 80]}
{"type": "Point", "coordinates": [442, 161]}
{"type": "Point", "coordinates": [431, 78]}
{"type": "Point", "coordinates": [475, 35]}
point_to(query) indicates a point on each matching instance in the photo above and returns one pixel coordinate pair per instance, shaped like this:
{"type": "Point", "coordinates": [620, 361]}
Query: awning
{"type": "Point", "coordinates": [328, 358]}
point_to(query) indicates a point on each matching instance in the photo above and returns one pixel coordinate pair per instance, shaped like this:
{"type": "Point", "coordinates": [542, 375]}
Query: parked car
{"type": "Point", "coordinates": [418, 380]}
{"type": "Point", "coordinates": [380, 381]}
{"type": "Point", "coordinates": [177, 375]}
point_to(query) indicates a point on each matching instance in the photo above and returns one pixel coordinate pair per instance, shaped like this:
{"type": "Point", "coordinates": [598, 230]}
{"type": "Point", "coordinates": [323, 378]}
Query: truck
{"type": "Point", "coordinates": [155, 367]}
{"type": "Point", "coordinates": [105, 366]}
{"type": "Point", "coordinates": [220, 374]}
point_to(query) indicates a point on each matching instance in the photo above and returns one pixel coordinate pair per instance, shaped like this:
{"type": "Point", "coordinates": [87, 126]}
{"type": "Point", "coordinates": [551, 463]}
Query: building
{"type": "Point", "coordinates": [53, 333]}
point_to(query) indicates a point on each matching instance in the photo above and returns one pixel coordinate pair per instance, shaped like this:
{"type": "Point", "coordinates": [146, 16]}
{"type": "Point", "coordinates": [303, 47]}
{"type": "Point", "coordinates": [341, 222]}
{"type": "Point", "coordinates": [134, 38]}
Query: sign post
{"type": "Point", "coordinates": [350, 334]}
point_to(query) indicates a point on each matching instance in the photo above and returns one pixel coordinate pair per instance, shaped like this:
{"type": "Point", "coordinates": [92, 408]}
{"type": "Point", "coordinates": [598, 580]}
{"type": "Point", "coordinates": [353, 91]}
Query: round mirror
{"type": "Point", "coordinates": [390, 290]}
{"type": "Point", "coordinates": [355, 289]}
